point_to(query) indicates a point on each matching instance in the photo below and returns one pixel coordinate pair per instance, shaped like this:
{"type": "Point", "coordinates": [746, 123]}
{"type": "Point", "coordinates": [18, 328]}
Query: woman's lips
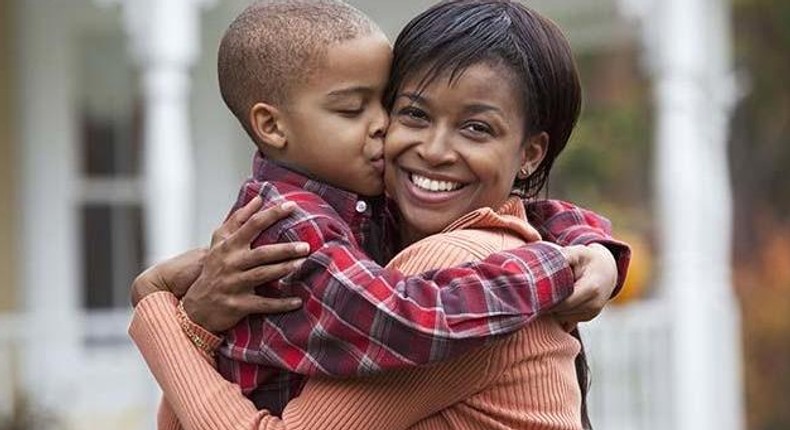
{"type": "Point", "coordinates": [427, 197]}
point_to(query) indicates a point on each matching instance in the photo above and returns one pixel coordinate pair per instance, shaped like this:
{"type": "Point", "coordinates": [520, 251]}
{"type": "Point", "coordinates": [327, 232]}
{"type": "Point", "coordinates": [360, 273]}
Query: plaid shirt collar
{"type": "Point", "coordinates": [351, 207]}
{"type": "Point", "coordinates": [367, 217]}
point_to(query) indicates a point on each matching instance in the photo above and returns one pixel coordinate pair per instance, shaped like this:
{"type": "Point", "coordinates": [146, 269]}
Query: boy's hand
{"type": "Point", "coordinates": [595, 274]}
{"type": "Point", "coordinates": [224, 293]}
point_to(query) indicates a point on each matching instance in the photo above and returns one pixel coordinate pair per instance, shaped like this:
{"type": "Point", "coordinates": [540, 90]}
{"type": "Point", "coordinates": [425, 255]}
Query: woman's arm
{"type": "Point", "coordinates": [203, 400]}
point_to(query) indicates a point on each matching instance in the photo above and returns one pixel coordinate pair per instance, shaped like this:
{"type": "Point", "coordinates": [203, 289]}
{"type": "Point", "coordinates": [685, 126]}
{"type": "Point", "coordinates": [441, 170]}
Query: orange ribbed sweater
{"type": "Point", "coordinates": [525, 381]}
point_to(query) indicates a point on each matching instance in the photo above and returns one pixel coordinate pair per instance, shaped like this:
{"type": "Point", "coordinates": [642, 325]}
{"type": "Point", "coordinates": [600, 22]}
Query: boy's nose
{"type": "Point", "coordinates": [380, 123]}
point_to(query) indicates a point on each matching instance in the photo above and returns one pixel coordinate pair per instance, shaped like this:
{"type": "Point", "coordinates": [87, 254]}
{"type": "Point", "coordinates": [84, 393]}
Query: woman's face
{"type": "Point", "coordinates": [454, 147]}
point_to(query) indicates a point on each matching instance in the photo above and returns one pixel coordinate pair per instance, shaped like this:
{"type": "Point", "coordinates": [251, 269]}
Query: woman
{"type": "Point", "coordinates": [484, 97]}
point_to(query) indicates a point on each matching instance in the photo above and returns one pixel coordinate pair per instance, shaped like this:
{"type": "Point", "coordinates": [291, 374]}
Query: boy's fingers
{"type": "Point", "coordinates": [274, 253]}
{"type": "Point", "coordinates": [260, 222]}
{"type": "Point", "coordinates": [580, 296]}
{"type": "Point", "coordinates": [266, 305]}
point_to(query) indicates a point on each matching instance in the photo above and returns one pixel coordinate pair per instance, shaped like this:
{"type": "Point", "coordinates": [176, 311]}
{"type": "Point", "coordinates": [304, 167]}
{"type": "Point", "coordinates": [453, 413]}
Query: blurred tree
{"type": "Point", "coordinates": [607, 166]}
{"type": "Point", "coordinates": [607, 163]}
{"type": "Point", "coordinates": [760, 154]}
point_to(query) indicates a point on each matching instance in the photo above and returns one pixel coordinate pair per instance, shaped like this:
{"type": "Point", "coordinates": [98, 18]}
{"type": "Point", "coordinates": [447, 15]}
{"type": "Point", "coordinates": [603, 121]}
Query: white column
{"type": "Point", "coordinates": [49, 241]}
{"type": "Point", "coordinates": [688, 44]}
{"type": "Point", "coordinates": [164, 36]}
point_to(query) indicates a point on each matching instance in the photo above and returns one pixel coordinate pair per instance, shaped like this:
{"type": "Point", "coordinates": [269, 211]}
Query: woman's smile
{"type": "Point", "coordinates": [425, 188]}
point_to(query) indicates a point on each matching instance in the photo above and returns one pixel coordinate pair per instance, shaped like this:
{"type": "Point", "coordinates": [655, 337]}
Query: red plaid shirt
{"type": "Point", "coordinates": [359, 318]}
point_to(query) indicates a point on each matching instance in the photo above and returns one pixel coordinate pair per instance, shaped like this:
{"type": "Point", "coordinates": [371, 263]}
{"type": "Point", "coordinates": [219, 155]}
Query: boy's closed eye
{"type": "Point", "coordinates": [348, 106]}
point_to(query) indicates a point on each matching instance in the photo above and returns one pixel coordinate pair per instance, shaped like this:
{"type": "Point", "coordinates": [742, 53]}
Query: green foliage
{"type": "Point", "coordinates": [606, 164]}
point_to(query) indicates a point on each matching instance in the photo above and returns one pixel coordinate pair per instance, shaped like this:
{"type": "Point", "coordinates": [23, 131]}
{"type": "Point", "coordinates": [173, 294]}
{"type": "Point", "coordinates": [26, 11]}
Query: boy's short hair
{"type": "Point", "coordinates": [274, 45]}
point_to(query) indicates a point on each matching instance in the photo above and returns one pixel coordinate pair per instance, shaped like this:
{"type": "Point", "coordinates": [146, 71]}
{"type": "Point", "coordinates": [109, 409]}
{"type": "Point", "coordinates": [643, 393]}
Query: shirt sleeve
{"type": "Point", "coordinates": [566, 224]}
{"type": "Point", "coordinates": [359, 318]}
{"type": "Point", "coordinates": [202, 400]}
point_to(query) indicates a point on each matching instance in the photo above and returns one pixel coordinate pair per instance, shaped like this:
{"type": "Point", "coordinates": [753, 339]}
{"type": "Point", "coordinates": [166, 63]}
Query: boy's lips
{"type": "Point", "coordinates": [378, 164]}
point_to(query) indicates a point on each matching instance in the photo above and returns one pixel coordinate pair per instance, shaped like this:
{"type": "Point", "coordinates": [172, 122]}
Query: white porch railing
{"type": "Point", "coordinates": [628, 349]}
{"type": "Point", "coordinates": [110, 387]}
{"type": "Point", "coordinates": [10, 348]}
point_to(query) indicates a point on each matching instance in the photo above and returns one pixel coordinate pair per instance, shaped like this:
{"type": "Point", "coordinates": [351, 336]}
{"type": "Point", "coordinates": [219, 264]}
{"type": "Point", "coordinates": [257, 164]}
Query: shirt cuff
{"type": "Point", "coordinates": [622, 257]}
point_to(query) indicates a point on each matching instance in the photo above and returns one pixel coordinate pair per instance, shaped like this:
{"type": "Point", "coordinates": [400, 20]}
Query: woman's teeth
{"type": "Point", "coordinates": [432, 185]}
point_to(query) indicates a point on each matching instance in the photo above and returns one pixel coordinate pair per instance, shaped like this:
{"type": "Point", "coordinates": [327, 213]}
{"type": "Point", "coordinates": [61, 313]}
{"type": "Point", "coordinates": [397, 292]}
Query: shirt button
{"type": "Point", "coordinates": [361, 206]}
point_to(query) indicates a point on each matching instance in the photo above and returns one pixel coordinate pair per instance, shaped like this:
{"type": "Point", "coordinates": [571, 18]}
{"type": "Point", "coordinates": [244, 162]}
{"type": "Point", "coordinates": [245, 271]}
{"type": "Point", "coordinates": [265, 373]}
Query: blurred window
{"type": "Point", "coordinates": [110, 203]}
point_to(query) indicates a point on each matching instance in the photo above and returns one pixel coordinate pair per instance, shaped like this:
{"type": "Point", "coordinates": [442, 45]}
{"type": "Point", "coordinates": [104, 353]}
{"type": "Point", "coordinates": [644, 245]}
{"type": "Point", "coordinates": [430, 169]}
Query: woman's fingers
{"type": "Point", "coordinates": [273, 253]}
{"type": "Point", "coordinates": [176, 274]}
{"type": "Point", "coordinates": [236, 220]}
{"type": "Point", "coordinates": [259, 222]}
{"type": "Point", "coordinates": [266, 305]}
{"type": "Point", "coordinates": [264, 274]}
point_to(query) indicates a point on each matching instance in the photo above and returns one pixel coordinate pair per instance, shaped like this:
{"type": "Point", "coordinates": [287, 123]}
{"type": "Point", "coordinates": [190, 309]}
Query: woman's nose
{"type": "Point", "coordinates": [436, 149]}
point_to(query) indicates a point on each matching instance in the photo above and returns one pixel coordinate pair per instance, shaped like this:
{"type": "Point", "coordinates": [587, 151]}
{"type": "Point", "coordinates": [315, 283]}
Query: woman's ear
{"type": "Point", "coordinates": [268, 127]}
{"type": "Point", "coordinates": [532, 153]}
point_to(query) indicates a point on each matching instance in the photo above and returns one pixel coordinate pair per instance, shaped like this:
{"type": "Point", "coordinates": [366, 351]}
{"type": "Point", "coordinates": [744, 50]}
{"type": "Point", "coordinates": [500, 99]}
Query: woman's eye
{"type": "Point", "coordinates": [413, 114]}
{"type": "Point", "coordinates": [479, 128]}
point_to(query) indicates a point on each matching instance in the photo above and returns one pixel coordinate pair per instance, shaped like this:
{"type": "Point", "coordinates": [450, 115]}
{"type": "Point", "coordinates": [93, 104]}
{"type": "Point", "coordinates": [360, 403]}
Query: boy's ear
{"type": "Point", "coordinates": [267, 124]}
{"type": "Point", "coordinates": [533, 152]}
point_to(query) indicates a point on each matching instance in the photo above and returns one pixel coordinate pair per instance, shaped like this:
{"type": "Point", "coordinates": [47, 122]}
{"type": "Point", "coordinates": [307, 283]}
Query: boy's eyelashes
{"type": "Point", "coordinates": [351, 112]}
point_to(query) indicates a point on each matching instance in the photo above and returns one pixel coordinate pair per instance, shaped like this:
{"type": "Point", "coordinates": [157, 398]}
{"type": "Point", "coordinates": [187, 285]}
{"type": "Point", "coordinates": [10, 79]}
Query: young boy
{"type": "Point", "coordinates": [305, 79]}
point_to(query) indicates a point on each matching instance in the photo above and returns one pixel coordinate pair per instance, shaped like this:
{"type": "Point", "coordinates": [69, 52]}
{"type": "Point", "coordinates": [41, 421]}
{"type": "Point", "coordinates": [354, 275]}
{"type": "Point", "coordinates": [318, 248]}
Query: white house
{"type": "Point", "coordinates": [110, 108]}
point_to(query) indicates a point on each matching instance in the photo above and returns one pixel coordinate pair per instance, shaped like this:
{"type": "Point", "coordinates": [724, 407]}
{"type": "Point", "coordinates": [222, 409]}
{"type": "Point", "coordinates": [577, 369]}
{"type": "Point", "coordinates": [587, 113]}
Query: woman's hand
{"type": "Point", "coordinates": [175, 275]}
{"type": "Point", "coordinates": [224, 293]}
{"type": "Point", "coordinates": [595, 274]}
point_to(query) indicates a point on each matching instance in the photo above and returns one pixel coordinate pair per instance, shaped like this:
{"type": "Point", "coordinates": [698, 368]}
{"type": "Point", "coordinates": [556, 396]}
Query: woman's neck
{"type": "Point", "coordinates": [409, 234]}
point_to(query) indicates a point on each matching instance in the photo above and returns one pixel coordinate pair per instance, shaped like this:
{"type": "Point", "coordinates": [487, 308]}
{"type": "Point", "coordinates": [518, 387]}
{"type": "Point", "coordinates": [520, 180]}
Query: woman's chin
{"type": "Point", "coordinates": [422, 223]}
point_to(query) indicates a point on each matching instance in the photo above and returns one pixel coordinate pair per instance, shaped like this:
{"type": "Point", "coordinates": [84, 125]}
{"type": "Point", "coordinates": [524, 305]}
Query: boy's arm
{"type": "Point", "coordinates": [566, 224]}
{"type": "Point", "coordinates": [359, 318]}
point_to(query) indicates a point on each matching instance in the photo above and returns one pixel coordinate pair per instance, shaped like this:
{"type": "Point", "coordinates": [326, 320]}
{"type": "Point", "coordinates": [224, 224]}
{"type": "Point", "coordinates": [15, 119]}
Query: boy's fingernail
{"type": "Point", "coordinates": [295, 302]}
{"type": "Point", "coordinates": [287, 206]}
{"type": "Point", "coordinates": [301, 247]}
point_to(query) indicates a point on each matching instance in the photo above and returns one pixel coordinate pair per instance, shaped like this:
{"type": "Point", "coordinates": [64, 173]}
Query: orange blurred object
{"type": "Point", "coordinates": [639, 271]}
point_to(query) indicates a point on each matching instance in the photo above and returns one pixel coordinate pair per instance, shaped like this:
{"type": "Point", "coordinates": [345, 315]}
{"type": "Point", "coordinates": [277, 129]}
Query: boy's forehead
{"type": "Point", "coordinates": [352, 66]}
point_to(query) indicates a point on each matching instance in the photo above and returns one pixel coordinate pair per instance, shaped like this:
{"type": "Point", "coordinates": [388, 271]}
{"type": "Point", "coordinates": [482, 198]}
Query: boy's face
{"type": "Point", "coordinates": [335, 122]}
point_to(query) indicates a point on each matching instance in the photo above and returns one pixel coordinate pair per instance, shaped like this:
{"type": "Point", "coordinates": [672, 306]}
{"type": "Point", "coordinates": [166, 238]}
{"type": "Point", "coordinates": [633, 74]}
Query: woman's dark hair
{"type": "Point", "coordinates": [451, 36]}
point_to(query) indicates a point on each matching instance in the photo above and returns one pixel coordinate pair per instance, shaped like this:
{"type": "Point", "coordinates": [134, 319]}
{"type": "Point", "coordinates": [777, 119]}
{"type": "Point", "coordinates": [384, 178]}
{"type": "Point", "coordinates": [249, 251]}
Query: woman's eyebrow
{"type": "Point", "coordinates": [476, 108]}
{"type": "Point", "coordinates": [414, 97]}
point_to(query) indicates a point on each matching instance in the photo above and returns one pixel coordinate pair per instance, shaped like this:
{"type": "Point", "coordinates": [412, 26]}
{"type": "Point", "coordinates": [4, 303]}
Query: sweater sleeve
{"type": "Point", "coordinates": [166, 419]}
{"type": "Point", "coordinates": [203, 400]}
